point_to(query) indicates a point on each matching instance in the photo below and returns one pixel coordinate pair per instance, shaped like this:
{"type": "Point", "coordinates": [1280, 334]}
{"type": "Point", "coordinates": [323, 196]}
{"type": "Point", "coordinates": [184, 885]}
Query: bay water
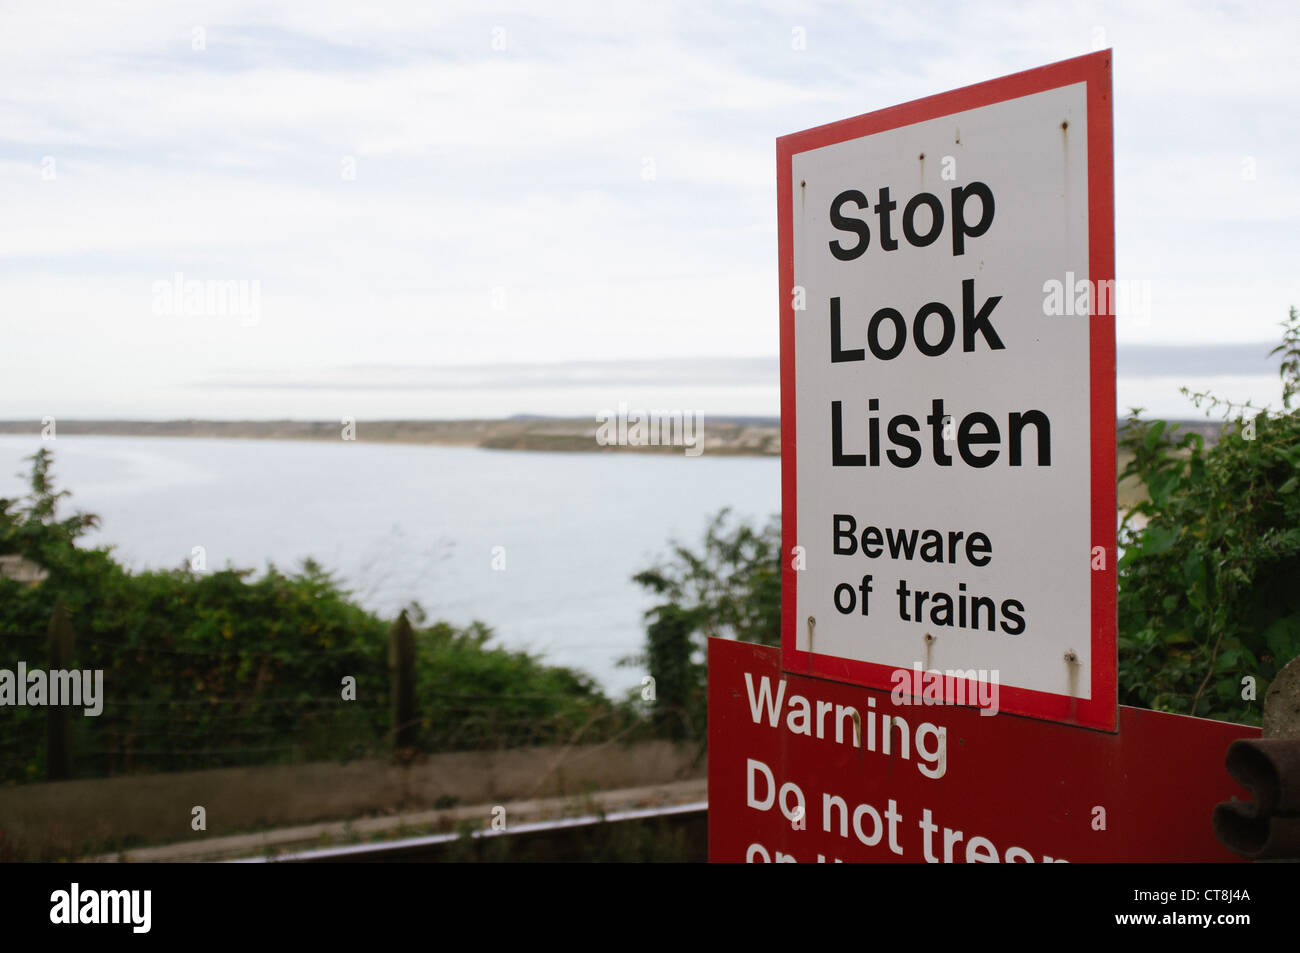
{"type": "Point", "coordinates": [398, 523]}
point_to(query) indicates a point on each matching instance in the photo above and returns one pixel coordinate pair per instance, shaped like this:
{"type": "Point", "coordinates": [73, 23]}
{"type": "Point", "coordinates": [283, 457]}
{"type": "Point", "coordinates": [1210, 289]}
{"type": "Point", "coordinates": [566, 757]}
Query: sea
{"type": "Point", "coordinates": [541, 547]}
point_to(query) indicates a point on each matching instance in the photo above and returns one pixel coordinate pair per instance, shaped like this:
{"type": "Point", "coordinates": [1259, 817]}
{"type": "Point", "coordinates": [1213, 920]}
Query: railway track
{"type": "Point", "coordinates": [675, 833]}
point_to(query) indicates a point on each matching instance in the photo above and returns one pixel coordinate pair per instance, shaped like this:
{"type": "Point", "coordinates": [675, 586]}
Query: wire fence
{"type": "Point", "coordinates": [152, 724]}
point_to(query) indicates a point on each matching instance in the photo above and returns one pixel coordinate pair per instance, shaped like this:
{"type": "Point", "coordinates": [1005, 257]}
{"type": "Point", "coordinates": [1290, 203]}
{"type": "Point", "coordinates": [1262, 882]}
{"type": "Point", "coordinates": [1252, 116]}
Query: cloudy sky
{"type": "Point", "coordinates": [424, 194]}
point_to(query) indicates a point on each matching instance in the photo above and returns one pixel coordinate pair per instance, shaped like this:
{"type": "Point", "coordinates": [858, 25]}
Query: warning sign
{"type": "Point", "coordinates": [948, 427]}
{"type": "Point", "coordinates": [806, 770]}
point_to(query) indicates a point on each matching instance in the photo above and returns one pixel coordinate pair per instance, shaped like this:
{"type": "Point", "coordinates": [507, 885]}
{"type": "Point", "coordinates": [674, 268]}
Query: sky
{"type": "Point", "coordinates": [463, 209]}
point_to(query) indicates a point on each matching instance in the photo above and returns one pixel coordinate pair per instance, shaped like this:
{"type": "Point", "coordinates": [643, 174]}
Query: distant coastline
{"type": "Point", "coordinates": [726, 436]}
{"type": "Point", "coordinates": [734, 436]}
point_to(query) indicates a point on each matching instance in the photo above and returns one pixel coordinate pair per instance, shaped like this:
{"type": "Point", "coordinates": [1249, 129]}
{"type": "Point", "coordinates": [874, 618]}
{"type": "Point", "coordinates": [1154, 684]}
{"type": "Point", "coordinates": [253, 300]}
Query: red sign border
{"type": "Point", "coordinates": [1101, 710]}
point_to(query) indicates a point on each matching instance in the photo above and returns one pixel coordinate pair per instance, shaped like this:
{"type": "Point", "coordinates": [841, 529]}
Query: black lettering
{"type": "Point", "coordinates": [935, 420]}
{"type": "Point", "coordinates": [1042, 430]}
{"type": "Point", "coordinates": [933, 543]}
{"type": "Point", "coordinates": [941, 612]}
{"type": "Point", "coordinates": [838, 457]}
{"type": "Point", "coordinates": [844, 223]}
{"type": "Point", "coordinates": [971, 322]}
{"type": "Point", "coordinates": [838, 354]}
{"type": "Point", "coordinates": [898, 438]}
{"type": "Point", "coordinates": [1017, 620]}
{"type": "Point", "coordinates": [839, 534]}
{"type": "Point", "coordinates": [936, 219]}
{"type": "Point", "coordinates": [901, 542]}
{"type": "Point", "coordinates": [853, 599]}
{"type": "Point", "coordinates": [960, 227]}
{"type": "Point", "coordinates": [884, 207]}
{"type": "Point", "coordinates": [988, 603]}
{"type": "Point", "coordinates": [873, 434]}
{"type": "Point", "coordinates": [966, 437]}
{"type": "Point", "coordinates": [902, 600]}
{"type": "Point", "coordinates": [945, 339]}
{"type": "Point", "coordinates": [900, 334]}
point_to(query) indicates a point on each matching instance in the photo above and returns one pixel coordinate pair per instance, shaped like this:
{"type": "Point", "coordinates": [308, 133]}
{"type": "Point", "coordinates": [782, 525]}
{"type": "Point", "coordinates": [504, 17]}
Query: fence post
{"type": "Point", "coordinates": [401, 663]}
{"type": "Point", "coordinates": [58, 745]}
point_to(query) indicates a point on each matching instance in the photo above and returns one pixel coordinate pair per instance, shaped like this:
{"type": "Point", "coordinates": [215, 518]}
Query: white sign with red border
{"type": "Point", "coordinates": [948, 397]}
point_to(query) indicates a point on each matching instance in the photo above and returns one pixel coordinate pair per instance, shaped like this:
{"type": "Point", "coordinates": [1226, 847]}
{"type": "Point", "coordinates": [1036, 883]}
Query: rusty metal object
{"type": "Point", "coordinates": [1267, 828]}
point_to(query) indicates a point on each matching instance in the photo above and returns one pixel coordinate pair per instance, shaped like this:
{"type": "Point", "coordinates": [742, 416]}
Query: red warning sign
{"type": "Point", "coordinates": [806, 770]}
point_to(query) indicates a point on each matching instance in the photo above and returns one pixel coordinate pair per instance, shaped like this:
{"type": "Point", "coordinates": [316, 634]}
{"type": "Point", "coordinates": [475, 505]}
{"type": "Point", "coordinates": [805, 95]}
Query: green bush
{"type": "Point", "coordinates": [1209, 606]}
{"type": "Point", "coordinates": [731, 589]}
